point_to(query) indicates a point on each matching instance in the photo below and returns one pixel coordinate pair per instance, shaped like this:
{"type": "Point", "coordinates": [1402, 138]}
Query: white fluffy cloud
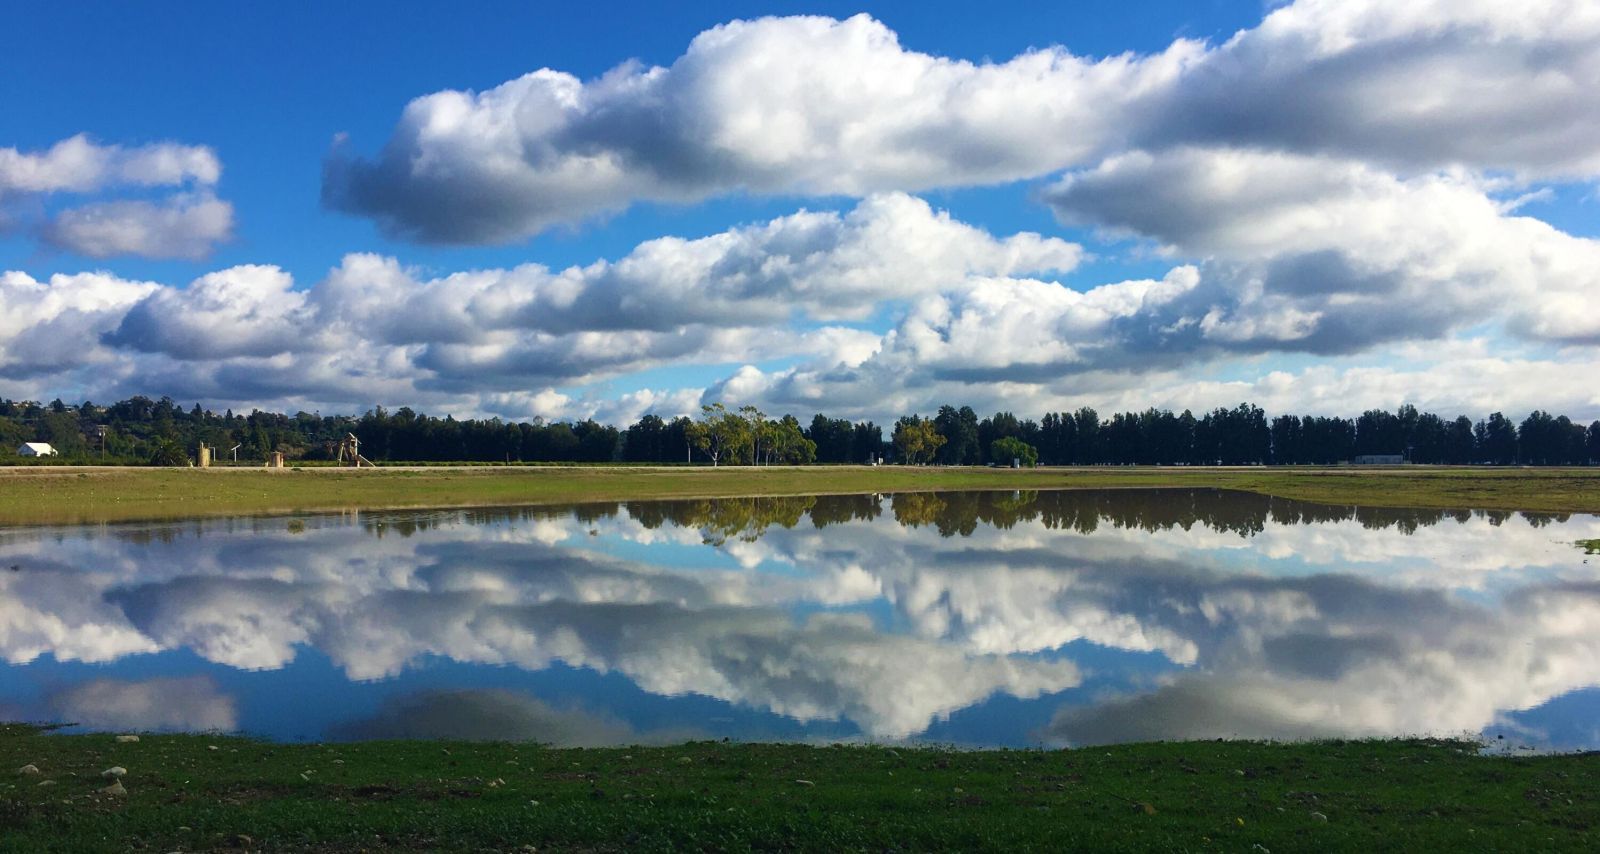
{"type": "Point", "coordinates": [826, 266]}
{"type": "Point", "coordinates": [189, 704]}
{"type": "Point", "coordinates": [80, 165]}
{"type": "Point", "coordinates": [786, 105]}
{"type": "Point", "coordinates": [55, 326]}
{"type": "Point", "coordinates": [375, 327]}
{"type": "Point", "coordinates": [1419, 85]}
{"type": "Point", "coordinates": [1296, 254]}
{"type": "Point", "coordinates": [1341, 183]}
{"type": "Point", "coordinates": [240, 311]}
{"type": "Point", "coordinates": [821, 106]}
{"type": "Point", "coordinates": [186, 224]}
{"type": "Point", "coordinates": [1329, 255]}
{"type": "Point", "coordinates": [180, 227]}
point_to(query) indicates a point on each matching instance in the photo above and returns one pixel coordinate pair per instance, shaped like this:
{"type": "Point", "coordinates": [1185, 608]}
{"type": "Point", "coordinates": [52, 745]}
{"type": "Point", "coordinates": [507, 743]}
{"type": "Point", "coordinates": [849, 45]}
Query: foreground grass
{"type": "Point", "coordinates": [35, 495]}
{"type": "Point", "coordinates": [199, 793]}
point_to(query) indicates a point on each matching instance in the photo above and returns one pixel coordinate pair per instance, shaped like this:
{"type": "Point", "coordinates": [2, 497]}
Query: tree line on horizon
{"type": "Point", "coordinates": [140, 430]}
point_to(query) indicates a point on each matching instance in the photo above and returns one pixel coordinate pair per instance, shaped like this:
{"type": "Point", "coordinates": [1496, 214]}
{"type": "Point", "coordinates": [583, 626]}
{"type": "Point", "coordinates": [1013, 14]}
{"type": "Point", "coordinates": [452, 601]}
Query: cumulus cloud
{"type": "Point", "coordinates": [186, 704]}
{"type": "Point", "coordinates": [180, 227]}
{"type": "Point", "coordinates": [249, 310]}
{"type": "Point", "coordinates": [1444, 669]}
{"type": "Point", "coordinates": [778, 289]}
{"type": "Point", "coordinates": [1451, 381]}
{"type": "Point", "coordinates": [522, 603]}
{"type": "Point", "coordinates": [62, 614]}
{"type": "Point", "coordinates": [788, 105]}
{"type": "Point", "coordinates": [820, 106]}
{"type": "Point", "coordinates": [1296, 254]}
{"type": "Point", "coordinates": [1342, 180]}
{"type": "Point", "coordinates": [186, 224]}
{"type": "Point", "coordinates": [54, 326]}
{"type": "Point", "coordinates": [80, 165]}
{"type": "Point", "coordinates": [1415, 86]}
{"type": "Point", "coordinates": [826, 265]}
{"type": "Point", "coordinates": [1329, 255]}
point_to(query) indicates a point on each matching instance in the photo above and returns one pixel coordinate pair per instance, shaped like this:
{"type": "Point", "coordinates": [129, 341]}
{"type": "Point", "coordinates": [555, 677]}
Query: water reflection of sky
{"type": "Point", "coordinates": [972, 618]}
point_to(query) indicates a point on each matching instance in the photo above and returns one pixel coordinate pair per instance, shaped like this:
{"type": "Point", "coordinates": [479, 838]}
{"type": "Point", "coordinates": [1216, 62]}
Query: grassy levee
{"type": "Point", "coordinates": [39, 495]}
{"type": "Point", "coordinates": [206, 793]}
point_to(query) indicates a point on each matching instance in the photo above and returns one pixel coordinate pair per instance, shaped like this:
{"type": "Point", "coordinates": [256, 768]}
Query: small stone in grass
{"type": "Point", "coordinates": [28, 771]}
{"type": "Point", "coordinates": [1316, 816]}
{"type": "Point", "coordinates": [115, 790]}
{"type": "Point", "coordinates": [804, 783]}
{"type": "Point", "coordinates": [114, 772]}
{"type": "Point", "coordinates": [127, 739]}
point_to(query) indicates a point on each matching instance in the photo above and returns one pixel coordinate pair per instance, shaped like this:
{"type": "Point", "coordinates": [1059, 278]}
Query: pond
{"type": "Point", "coordinates": [972, 618]}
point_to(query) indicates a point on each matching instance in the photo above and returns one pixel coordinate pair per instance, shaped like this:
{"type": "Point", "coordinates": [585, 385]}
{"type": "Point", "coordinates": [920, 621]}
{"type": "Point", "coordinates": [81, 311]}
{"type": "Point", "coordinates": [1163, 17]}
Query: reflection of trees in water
{"type": "Point", "coordinates": [404, 524]}
{"type": "Point", "coordinates": [950, 513]}
{"type": "Point", "coordinates": [1243, 513]}
{"type": "Point", "coordinates": [915, 509]}
{"type": "Point", "coordinates": [837, 509]}
{"type": "Point", "coordinates": [724, 519]}
{"type": "Point", "coordinates": [145, 536]}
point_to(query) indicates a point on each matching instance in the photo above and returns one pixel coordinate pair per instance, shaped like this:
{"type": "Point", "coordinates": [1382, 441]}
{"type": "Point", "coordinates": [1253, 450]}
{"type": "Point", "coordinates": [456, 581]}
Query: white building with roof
{"type": "Point", "coordinates": [36, 449]}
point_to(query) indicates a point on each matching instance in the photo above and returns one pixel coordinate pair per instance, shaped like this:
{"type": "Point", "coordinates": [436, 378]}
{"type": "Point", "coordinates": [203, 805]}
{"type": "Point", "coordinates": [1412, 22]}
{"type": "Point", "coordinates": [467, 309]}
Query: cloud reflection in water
{"type": "Point", "coordinates": [1275, 618]}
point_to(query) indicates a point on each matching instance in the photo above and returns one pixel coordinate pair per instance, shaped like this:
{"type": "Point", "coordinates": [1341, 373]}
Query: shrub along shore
{"type": "Point", "coordinates": [51, 495]}
{"type": "Point", "coordinates": [205, 793]}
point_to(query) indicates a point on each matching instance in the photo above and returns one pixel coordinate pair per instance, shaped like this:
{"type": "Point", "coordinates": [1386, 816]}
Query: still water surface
{"type": "Point", "coordinates": [999, 618]}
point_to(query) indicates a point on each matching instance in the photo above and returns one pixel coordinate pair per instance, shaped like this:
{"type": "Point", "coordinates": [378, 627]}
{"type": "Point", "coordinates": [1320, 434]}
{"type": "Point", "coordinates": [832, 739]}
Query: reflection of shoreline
{"type": "Point", "coordinates": [900, 609]}
{"type": "Point", "coordinates": [951, 513]}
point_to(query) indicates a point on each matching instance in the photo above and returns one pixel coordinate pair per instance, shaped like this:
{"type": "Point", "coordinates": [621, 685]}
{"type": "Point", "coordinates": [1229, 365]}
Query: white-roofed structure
{"type": "Point", "coordinates": [36, 449]}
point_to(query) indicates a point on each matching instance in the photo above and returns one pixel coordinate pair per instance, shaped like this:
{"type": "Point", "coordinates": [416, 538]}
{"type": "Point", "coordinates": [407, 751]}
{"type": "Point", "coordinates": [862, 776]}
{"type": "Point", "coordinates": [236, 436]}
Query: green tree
{"type": "Point", "coordinates": [917, 438]}
{"type": "Point", "coordinates": [1007, 448]}
{"type": "Point", "coordinates": [787, 444]}
{"type": "Point", "coordinates": [757, 431]}
{"type": "Point", "coordinates": [61, 430]}
{"type": "Point", "coordinates": [959, 427]}
{"type": "Point", "coordinates": [167, 452]}
{"type": "Point", "coordinates": [1496, 440]}
{"type": "Point", "coordinates": [720, 433]}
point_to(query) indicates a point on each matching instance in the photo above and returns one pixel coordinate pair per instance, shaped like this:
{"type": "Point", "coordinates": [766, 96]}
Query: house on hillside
{"type": "Point", "coordinates": [36, 449]}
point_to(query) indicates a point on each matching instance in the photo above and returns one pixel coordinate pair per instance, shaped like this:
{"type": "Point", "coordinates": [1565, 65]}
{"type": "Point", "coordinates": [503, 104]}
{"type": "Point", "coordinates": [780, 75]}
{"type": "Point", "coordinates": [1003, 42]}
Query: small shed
{"type": "Point", "coordinates": [36, 449]}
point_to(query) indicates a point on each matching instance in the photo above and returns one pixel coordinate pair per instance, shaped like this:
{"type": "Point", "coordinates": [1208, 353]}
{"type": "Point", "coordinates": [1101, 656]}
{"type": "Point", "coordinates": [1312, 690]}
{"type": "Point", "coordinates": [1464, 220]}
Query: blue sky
{"type": "Point", "coordinates": [270, 86]}
{"type": "Point", "coordinates": [1330, 118]}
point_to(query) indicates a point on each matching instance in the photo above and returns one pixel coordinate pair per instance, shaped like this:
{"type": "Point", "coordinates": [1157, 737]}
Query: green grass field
{"type": "Point", "coordinates": [37, 495]}
{"type": "Point", "coordinates": [205, 793]}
